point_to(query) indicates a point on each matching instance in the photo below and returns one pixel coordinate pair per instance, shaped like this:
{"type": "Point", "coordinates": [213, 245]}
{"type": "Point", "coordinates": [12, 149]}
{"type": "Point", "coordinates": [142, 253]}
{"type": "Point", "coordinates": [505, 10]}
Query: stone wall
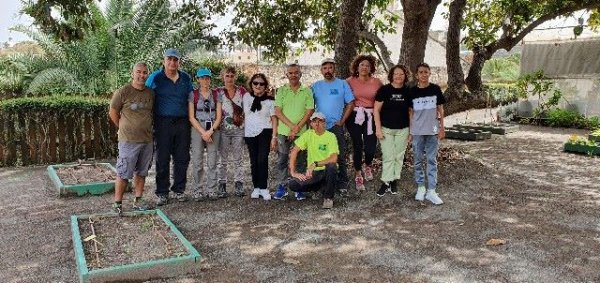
{"type": "Point", "coordinates": [310, 74]}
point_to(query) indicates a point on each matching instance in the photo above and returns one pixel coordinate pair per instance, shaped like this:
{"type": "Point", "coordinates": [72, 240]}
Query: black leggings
{"type": "Point", "coordinates": [258, 149]}
{"type": "Point", "coordinates": [361, 141]}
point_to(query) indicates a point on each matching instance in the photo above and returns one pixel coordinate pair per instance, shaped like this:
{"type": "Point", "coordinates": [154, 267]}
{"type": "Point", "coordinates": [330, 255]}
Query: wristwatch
{"type": "Point", "coordinates": [316, 163]}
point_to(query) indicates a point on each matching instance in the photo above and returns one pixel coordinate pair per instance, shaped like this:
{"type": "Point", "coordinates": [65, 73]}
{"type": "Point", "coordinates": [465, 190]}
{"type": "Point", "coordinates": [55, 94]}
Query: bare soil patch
{"type": "Point", "coordinates": [520, 188]}
{"type": "Point", "coordinates": [127, 239]}
{"type": "Point", "coordinates": [85, 174]}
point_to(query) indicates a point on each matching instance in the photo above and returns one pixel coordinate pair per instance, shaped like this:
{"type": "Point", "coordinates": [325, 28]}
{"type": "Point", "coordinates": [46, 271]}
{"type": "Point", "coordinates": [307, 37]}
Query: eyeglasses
{"type": "Point", "coordinates": [317, 120]}
{"type": "Point", "coordinates": [259, 83]}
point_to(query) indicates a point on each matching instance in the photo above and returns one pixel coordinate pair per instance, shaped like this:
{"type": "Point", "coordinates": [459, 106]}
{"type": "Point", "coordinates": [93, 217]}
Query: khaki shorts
{"type": "Point", "coordinates": [134, 158]}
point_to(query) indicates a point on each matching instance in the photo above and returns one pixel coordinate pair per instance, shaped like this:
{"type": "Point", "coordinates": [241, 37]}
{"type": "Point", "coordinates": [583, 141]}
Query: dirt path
{"type": "Point", "coordinates": [520, 187]}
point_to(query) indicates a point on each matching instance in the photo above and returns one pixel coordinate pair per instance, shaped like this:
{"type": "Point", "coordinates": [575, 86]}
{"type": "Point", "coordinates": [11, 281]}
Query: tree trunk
{"type": "Point", "coordinates": [346, 39]}
{"type": "Point", "coordinates": [473, 80]}
{"type": "Point", "coordinates": [456, 77]}
{"type": "Point", "coordinates": [418, 15]}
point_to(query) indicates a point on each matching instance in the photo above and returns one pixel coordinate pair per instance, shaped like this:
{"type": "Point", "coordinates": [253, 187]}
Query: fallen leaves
{"type": "Point", "coordinates": [495, 242]}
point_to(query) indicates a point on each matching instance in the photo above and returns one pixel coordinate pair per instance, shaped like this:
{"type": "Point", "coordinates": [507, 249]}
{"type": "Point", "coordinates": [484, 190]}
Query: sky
{"type": "Point", "coordinates": [9, 16]}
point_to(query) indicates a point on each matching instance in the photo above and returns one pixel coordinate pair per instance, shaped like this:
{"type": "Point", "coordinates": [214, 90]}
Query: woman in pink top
{"type": "Point", "coordinates": [361, 124]}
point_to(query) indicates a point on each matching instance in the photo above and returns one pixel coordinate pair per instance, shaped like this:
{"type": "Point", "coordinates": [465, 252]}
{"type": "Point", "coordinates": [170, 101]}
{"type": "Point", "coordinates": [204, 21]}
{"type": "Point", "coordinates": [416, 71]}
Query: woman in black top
{"type": "Point", "coordinates": [391, 126]}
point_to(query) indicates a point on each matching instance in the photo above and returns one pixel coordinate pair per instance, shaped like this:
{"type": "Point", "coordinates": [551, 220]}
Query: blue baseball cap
{"type": "Point", "coordinates": [203, 72]}
{"type": "Point", "coordinates": [172, 52]}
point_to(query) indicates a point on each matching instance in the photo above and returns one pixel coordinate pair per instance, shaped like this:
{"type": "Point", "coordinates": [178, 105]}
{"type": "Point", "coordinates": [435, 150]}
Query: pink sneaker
{"type": "Point", "coordinates": [368, 172]}
{"type": "Point", "coordinates": [360, 183]}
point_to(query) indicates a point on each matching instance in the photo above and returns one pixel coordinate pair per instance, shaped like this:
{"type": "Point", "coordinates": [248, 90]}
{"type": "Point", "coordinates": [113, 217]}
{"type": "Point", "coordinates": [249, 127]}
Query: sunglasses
{"type": "Point", "coordinates": [259, 83]}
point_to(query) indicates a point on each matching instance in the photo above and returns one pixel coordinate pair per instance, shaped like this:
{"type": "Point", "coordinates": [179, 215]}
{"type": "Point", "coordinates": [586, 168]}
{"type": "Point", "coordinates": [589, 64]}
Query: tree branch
{"type": "Point", "coordinates": [506, 42]}
{"type": "Point", "coordinates": [382, 50]}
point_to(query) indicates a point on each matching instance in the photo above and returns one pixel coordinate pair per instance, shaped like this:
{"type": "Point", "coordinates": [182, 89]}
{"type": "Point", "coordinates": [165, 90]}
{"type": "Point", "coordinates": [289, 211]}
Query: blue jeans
{"type": "Point", "coordinates": [425, 146]}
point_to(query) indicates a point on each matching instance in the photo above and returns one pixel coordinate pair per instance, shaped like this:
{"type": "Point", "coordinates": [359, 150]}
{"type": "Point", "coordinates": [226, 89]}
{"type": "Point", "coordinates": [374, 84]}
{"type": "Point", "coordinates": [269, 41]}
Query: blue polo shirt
{"type": "Point", "coordinates": [331, 98]}
{"type": "Point", "coordinates": [171, 97]}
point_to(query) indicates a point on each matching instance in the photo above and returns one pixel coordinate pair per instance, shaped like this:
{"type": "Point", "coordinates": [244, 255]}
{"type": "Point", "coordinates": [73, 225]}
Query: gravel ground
{"type": "Point", "coordinates": [520, 188]}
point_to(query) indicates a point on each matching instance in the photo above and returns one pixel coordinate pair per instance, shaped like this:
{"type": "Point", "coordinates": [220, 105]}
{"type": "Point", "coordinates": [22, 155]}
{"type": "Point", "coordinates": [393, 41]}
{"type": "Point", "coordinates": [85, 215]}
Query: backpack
{"type": "Point", "coordinates": [197, 97]}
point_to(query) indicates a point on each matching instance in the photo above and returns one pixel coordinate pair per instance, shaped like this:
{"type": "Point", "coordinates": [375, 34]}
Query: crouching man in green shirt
{"type": "Point", "coordinates": [322, 154]}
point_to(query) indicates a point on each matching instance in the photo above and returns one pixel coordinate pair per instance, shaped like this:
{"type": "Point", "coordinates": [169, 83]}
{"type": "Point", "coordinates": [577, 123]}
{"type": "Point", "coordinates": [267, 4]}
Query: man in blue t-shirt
{"type": "Point", "coordinates": [334, 98]}
{"type": "Point", "coordinates": [171, 125]}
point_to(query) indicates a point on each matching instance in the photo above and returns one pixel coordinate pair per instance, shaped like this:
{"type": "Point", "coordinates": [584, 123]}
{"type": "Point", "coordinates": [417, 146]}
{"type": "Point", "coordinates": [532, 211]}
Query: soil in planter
{"type": "Point", "coordinates": [84, 174]}
{"type": "Point", "coordinates": [127, 240]}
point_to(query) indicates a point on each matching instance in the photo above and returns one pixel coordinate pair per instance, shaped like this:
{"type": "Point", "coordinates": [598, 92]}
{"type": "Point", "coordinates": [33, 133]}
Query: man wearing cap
{"type": "Point", "coordinates": [334, 99]}
{"type": "Point", "coordinates": [294, 103]}
{"type": "Point", "coordinates": [322, 156]}
{"type": "Point", "coordinates": [205, 111]}
{"type": "Point", "coordinates": [131, 111]}
{"type": "Point", "coordinates": [171, 125]}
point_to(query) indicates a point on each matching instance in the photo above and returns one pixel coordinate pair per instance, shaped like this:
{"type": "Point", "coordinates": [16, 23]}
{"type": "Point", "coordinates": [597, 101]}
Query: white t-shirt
{"type": "Point", "coordinates": [256, 122]}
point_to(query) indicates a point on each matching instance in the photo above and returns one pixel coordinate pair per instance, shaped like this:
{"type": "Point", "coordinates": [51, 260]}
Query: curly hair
{"type": "Point", "coordinates": [359, 58]}
{"type": "Point", "coordinates": [390, 75]}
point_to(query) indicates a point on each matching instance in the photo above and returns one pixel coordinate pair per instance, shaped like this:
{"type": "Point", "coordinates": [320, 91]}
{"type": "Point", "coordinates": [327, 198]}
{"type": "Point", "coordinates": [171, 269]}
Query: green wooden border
{"type": "Point", "coordinates": [86, 275]}
{"type": "Point", "coordinates": [498, 128]}
{"type": "Point", "coordinates": [582, 148]}
{"type": "Point", "coordinates": [96, 188]}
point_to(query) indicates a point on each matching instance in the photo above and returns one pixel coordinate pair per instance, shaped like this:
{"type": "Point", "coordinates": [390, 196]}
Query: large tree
{"type": "Point", "coordinates": [494, 25]}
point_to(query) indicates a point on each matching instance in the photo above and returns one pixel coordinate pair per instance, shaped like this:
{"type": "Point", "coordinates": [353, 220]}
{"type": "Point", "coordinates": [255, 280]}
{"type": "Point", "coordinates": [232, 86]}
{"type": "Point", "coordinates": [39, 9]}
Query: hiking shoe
{"type": "Point", "coordinates": [433, 197]}
{"type": "Point", "coordinates": [223, 190]}
{"type": "Point", "coordinates": [368, 172]}
{"type": "Point", "coordinates": [180, 197]}
{"type": "Point", "coordinates": [280, 193]}
{"type": "Point", "coordinates": [255, 193]}
{"type": "Point", "coordinates": [360, 183]}
{"type": "Point", "coordinates": [162, 200]}
{"type": "Point", "coordinates": [393, 189]}
{"type": "Point", "coordinates": [198, 197]}
{"type": "Point", "coordinates": [300, 196]}
{"type": "Point", "coordinates": [264, 193]}
{"type": "Point", "coordinates": [140, 205]}
{"type": "Point", "coordinates": [213, 196]}
{"type": "Point", "coordinates": [327, 203]}
{"type": "Point", "coordinates": [117, 208]}
{"type": "Point", "coordinates": [239, 189]}
{"type": "Point", "coordinates": [420, 196]}
{"type": "Point", "coordinates": [384, 188]}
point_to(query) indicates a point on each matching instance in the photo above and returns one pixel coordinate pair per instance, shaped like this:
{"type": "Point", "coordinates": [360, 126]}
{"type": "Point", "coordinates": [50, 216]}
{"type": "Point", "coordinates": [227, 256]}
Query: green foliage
{"type": "Point", "coordinates": [537, 84]}
{"type": "Point", "coordinates": [75, 19]}
{"type": "Point", "coordinates": [274, 25]}
{"type": "Point", "coordinates": [58, 104]}
{"type": "Point", "coordinates": [577, 140]}
{"type": "Point", "coordinates": [502, 93]}
{"type": "Point", "coordinates": [502, 69]}
{"type": "Point", "coordinates": [101, 60]}
{"type": "Point", "coordinates": [566, 118]}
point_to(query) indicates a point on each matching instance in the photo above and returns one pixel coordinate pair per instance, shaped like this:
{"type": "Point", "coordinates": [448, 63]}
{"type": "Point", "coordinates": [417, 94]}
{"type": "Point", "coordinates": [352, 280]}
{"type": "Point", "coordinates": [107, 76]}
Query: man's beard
{"type": "Point", "coordinates": [328, 76]}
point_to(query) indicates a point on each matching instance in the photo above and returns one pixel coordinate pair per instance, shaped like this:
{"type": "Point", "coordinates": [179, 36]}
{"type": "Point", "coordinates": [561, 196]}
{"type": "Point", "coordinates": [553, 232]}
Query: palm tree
{"type": "Point", "coordinates": [126, 32]}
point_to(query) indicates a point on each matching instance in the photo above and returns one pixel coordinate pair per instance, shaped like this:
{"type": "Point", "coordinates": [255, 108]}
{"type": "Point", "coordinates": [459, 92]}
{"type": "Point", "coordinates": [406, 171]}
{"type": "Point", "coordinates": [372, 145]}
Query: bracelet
{"type": "Point", "coordinates": [274, 137]}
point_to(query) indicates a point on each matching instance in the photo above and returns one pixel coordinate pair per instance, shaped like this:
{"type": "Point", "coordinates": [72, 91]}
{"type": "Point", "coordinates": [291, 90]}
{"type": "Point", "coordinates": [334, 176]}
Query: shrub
{"type": "Point", "coordinates": [566, 118]}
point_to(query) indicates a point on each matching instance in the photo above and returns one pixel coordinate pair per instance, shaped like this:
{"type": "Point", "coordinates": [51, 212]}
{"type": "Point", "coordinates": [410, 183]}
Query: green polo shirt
{"type": "Point", "coordinates": [293, 105]}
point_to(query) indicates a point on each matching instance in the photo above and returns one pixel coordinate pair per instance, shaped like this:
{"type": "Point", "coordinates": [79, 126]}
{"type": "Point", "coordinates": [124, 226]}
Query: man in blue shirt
{"type": "Point", "coordinates": [171, 125]}
{"type": "Point", "coordinates": [334, 98]}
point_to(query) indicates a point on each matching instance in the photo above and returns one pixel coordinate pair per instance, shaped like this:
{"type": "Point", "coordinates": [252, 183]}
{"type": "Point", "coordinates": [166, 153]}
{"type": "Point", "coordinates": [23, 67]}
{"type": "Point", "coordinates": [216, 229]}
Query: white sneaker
{"type": "Point", "coordinates": [255, 193]}
{"type": "Point", "coordinates": [420, 196]}
{"type": "Point", "coordinates": [433, 197]}
{"type": "Point", "coordinates": [264, 193]}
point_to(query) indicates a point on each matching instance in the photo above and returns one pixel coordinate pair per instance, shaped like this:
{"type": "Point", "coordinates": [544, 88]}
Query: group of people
{"type": "Point", "coordinates": [162, 114]}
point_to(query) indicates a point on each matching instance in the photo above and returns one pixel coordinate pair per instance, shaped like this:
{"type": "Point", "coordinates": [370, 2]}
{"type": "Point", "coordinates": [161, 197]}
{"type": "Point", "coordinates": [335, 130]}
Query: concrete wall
{"type": "Point", "coordinates": [276, 74]}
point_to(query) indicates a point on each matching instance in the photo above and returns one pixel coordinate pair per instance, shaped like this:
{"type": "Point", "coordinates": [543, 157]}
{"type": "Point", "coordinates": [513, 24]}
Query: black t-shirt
{"type": "Point", "coordinates": [394, 111]}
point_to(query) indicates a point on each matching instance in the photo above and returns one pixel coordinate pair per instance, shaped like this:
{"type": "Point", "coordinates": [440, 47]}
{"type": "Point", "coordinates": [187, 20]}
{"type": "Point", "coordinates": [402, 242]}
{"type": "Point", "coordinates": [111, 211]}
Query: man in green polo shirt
{"type": "Point", "coordinates": [322, 150]}
{"type": "Point", "coordinates": [294, 103]}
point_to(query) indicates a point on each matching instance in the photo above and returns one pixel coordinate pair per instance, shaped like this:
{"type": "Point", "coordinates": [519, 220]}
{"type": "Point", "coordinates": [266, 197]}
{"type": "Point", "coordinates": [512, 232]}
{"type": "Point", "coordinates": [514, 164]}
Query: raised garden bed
{"type": "Point", "coordinates": [137, 246]}
{"type": "Point", "coordinates": [494, 128]}
{"type": "Point", "coordinates": [582, 148]}
{"type": "Point", "coordinates": [467, 134]}
{"type": "Point", "coordinates": [594, 137]}
{"type": "Point", "coordinates": [81, 179]}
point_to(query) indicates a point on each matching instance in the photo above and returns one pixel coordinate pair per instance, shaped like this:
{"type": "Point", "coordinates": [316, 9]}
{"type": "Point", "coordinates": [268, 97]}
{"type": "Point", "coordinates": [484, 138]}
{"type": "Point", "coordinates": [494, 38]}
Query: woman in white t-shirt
{"type": "Point", "coordinates": [260, 131]}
